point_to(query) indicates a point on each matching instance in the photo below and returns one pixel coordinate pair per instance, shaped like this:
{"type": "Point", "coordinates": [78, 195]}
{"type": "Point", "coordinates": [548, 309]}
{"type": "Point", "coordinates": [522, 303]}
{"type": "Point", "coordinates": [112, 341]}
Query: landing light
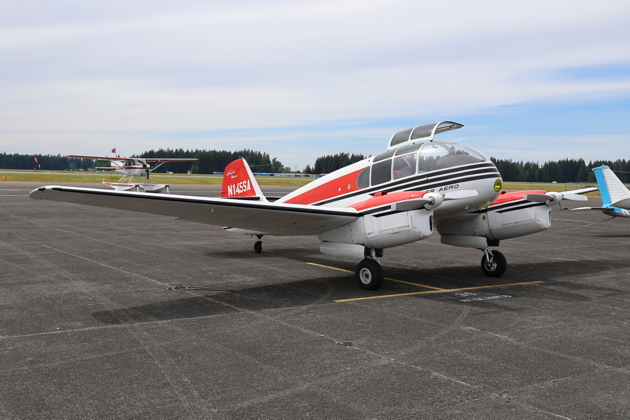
{"type": "Point", "coordinates": [497, 185]}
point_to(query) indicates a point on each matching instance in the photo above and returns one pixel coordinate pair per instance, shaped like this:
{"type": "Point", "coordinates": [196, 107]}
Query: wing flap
{"type": "Point", "coordinates": [276, 219]}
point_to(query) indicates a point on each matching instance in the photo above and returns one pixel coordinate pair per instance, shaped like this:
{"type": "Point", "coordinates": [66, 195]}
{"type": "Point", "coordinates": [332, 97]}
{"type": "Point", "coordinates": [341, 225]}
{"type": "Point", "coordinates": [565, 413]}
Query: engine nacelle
{"type": "Point", "coordinates": [497, 225]}
{"type": "Point", "coordinates": [377, 232]}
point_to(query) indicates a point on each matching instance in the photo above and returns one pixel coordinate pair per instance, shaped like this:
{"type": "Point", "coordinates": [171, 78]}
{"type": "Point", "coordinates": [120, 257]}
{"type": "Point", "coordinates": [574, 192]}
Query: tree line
{"type": "Point", "coordinates": [209, 161]}
{"type": "Point", "coordinates": [562, 171]}
{"type": "Point", "coordinates": [330, 163]}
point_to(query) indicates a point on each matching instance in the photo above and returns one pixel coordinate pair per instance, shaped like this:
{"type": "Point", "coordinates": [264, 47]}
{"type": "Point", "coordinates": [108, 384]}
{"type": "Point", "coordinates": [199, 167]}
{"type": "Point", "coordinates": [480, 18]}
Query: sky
{"type": "Point", "coordinates": [530, 81]}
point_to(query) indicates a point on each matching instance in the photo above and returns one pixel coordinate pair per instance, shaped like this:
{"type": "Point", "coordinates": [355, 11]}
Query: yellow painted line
{"type": "Point", "coordinates": [437, 291]}
{"type": "Point", "coordinates": [332, 268]}
{"type": "Point", "coordinates": [386, 278]}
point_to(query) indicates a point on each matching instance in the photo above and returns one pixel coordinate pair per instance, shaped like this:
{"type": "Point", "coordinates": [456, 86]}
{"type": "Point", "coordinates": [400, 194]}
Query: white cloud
{"type": "Point", "coordinates": [146, 68]}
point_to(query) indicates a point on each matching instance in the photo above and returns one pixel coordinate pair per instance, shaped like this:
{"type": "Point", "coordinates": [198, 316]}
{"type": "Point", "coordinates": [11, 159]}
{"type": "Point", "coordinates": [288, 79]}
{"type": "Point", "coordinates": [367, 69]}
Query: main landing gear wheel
{"type": "Point", "coordinates": [258, 247]}
{"type": "Point", "coordinates": [369, 274]}
{"type": "Point", "coordinates": [494, 265]}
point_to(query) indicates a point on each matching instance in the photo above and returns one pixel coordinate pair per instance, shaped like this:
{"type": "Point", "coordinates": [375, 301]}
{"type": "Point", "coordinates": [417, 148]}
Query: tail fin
{"type": "Point", "coordinates": [239, 182]}
{"type": "Point", "coordinates": [613, 192]}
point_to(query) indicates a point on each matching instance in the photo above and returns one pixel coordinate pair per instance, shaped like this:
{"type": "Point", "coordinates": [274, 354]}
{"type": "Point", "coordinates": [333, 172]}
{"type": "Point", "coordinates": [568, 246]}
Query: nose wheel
{"type": "Point", "coordinates": [493, 263]}
{"type": "Point", "coordinates": [369, 274]}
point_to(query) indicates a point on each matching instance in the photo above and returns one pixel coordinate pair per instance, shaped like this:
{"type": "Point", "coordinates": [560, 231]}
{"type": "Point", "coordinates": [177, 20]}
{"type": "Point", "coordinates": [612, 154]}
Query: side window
{"type": "Point", "coordinates": [404, 166]}
{"type": "Point", "coordinates": [363, 180]}
{"type": "Point", "coordinates": [382, 172]}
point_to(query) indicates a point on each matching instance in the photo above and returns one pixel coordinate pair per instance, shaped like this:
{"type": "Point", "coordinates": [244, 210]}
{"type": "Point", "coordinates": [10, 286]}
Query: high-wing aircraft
{"type": "Point", "coordinates": [394, 198]}
{"type": "Point", "coordinates": [131, 167]}
{"type": "Point", "coordinates": [615, 195]}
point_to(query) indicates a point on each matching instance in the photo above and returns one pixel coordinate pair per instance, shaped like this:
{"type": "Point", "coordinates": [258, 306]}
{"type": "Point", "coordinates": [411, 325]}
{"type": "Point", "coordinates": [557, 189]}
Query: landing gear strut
{"type": "Point", "coordinates": [369, 274]}
{"type": "Point", "coordinates": [493, 263]}
{"type": "Point", "coordinates": [258, 245]}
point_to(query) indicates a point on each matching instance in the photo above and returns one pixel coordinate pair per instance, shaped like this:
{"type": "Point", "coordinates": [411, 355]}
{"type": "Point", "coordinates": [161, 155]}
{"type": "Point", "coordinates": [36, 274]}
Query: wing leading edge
{"type": "Point", "coordinates": [273, 219]}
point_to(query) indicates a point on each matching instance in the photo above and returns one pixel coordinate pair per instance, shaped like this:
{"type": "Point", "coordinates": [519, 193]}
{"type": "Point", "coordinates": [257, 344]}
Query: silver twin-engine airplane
{"type": "Point", "coordinates": [394, 198]}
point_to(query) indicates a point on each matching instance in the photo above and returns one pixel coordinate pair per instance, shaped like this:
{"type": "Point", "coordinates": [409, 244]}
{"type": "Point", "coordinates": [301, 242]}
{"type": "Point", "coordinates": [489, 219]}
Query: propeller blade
{"type": "Point", "coordinates": [574, 197]}
{"type": "Point", "coordinates": [584, 190]}
{"type": "Point", "coordinates": [410, 205]}
{"type": "Point", "coordinates": [554, 197]}
{"type": "Point", "coordinates": [538, 198]}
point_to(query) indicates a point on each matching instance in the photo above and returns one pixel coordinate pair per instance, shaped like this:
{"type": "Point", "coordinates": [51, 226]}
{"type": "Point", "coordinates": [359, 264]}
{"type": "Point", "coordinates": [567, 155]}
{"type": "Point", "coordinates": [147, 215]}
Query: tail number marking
{"type": "Point", "coordinates": [239, 187]}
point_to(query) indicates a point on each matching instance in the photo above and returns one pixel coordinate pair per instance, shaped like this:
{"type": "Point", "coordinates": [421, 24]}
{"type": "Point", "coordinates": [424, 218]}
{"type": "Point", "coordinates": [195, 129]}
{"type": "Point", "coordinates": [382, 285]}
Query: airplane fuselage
{"type": "Point", "coordinates": [438, 167]}
{"type": "Point", "coordinates": [136, 168]}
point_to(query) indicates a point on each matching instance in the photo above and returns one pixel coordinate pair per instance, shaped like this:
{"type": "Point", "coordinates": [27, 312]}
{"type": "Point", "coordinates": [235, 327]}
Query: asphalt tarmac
{"type": "Point", "coordinates": [107, 314]}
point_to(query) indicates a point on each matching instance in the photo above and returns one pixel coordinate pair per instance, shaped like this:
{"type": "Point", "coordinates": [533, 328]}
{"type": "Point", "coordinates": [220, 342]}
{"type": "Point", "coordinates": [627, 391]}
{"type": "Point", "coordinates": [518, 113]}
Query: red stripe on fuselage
{"type": "Point", "coordinates": [333, 188]}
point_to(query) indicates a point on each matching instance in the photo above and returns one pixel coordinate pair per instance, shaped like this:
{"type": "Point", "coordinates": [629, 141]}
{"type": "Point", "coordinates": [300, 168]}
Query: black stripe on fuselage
{"type": "Point", "coordinates": [423, 181]}
{"type": "Point", "coordinates": [511, 206]}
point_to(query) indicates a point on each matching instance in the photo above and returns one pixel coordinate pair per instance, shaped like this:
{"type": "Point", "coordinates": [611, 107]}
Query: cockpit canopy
{"type": "Point", "coordinates": [416, 159]}
{"type": "Point", "coordinates": [421, 133]}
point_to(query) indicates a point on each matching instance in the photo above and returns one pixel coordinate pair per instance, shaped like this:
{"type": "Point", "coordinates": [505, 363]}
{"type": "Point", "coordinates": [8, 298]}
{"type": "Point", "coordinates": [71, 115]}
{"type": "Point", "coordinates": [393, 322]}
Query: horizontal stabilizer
{"type": "Point", "coordinates": [591, 208]}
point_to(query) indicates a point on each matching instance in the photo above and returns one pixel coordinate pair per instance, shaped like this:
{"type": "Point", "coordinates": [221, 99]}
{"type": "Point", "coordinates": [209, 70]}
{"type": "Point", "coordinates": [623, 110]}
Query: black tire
{"type": "Point", "coordinates": [497, 267]}
{"type": "Point", "coordinates": [258, 247]}
{"type": "Point", "coordinates": [369, 274]}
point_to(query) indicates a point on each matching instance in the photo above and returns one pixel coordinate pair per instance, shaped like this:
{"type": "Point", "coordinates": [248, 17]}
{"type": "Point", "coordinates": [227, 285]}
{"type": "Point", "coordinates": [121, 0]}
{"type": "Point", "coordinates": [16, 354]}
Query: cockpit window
{"type": "Point", "coordinates": [404, 165]}
{"type": "Point", "coordinates": [363, 180]}
{"type": "Point", "coordinates": [381, 172]}
{"type": "Point", "coordinates": [429, 155]}
{"type": "Point", "coordinates": [435, 156]}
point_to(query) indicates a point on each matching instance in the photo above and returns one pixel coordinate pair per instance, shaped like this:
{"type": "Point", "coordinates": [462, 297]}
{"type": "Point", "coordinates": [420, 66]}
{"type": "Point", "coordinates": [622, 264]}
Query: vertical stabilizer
{"type": "Point", "coordinates": [613, 192]}
{"type": "Point", "coordinates": [239, 182]}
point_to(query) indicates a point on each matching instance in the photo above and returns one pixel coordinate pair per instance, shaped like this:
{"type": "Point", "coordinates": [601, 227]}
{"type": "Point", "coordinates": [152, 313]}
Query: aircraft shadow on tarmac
{"type": "Point", "coordinates": [303, 293]}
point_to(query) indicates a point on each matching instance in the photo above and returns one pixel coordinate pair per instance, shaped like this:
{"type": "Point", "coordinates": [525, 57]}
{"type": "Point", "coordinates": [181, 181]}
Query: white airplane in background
{"type": "Point", "coordinates": [131, 167]}
{"type": "Point", "coordinates": [615, 195]}
{"type": "Point", "coordinates": [394, 198]}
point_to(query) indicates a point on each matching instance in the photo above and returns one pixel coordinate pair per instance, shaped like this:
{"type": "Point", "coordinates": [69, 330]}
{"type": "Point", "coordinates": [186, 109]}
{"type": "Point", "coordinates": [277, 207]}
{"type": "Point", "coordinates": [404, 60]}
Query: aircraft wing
{"type": "Point", "coordinates": [100, 157]}
{"type": "Point", "coordinates": [131, 159]}
{"type": "Point", "coordinates": [260, 216]}
{"type": "Point", "coordinates": [168, 159]}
